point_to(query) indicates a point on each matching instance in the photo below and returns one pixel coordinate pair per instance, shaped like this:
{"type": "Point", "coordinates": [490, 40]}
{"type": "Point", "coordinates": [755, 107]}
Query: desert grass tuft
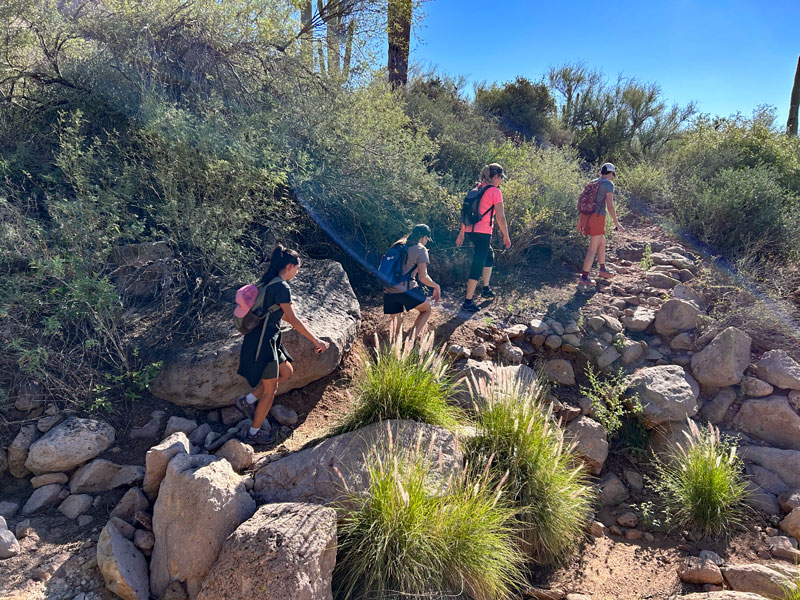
{"type": "Point", "coordinates": [414, 534]}
{"type": "Point", "coordinates": [545, 480]}
{"type": "Point", "coordinates": [701, 483]}
{"type": "Point", "coordinates": [403, 380]}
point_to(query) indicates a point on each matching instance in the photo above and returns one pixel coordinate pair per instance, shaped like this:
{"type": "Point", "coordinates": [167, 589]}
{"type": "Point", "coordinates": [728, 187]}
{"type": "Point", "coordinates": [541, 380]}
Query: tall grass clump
{"type": "Point", "coordinates": [546, 481]}
{"type": "Point", "coordinates": [412, 534]}
{"type": "Point", "coordinates": [701, 483]}
{"type": "Point", "coordinates": [403, 380]}
{"type": "Point", "coordinates": [791, 590]}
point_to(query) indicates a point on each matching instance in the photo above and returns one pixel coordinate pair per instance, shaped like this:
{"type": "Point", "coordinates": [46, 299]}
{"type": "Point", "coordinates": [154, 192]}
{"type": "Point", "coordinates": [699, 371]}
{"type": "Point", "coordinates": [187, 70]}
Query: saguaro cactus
{"type": "Point", "coordinates": [399, 14]}
{"type": "Point", "coordinates": [794, 103]}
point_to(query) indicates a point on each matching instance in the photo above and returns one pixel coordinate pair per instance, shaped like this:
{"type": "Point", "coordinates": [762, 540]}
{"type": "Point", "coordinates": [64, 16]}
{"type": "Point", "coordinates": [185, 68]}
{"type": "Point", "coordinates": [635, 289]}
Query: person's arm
{"type": "Point", "coordinates": [460, 238]}
{"type": "Point", "coordinates": [503, 224]}
{"type": "Point", "coordinates": [297, 323]}
{"type": "Point", "coordinates": [611, 211]}
{"type": "Point", "coordinates": [425, 279]}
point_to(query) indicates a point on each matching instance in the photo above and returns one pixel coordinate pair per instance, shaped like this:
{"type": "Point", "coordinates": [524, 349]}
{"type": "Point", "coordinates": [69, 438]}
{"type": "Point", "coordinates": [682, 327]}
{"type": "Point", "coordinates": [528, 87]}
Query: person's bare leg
{"type": "Point", "coordinates": [285, 370]}
{"type": "Point", "coordinates": [594, 243]}
{"type": "Point", "coordinates": [259, 389]}
{"type": "Point", "coordinates": [421, 320]}
{"type": "Point", "coordinates": [486, 276]}
{"type": "Point", "coordinates": [601, 251]}
{"type": "Point", "coordinates": [265, 401]}
{"type": "Point", "coordinates": [395, 324]}
{"type": "Point", "coordinates": [471, 285]}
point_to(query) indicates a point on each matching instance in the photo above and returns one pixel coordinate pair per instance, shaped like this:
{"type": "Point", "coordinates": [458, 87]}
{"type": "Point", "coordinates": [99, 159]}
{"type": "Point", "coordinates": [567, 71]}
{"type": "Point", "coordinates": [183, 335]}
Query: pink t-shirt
{"type": "Point", "coordinates": [490, 198]}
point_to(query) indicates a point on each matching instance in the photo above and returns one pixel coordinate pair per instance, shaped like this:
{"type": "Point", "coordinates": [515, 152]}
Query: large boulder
{"type": "Point", "coordinates": [724, 360]}
{"type": "Point", "coordinates": [590, 442]}
{"type": "Point", "coordinates": [123, 567]}
{"type": "Point", "coordinates": [204, 376]}
{"type": "Point", "coordinates": [200, 503]}
{"type": "Point", "coordinates": [772, 420]}
{"type": "Point", "coordinates": [289, 551]}
{"type": "Point", "coordinates": [791, 523]}
{"type": "Point", "coordinates": [315, 474]}
{"type": "Point", "coordinates": [779, 369]}
{"type": "Point", "coordinates": [756, 579]}
{"type": "Point", "coordinates": [101, 475]}
{"type": "Point", "coordinates": [785, 463]}
{"type": "Point", "coordinates": [665, 394]}
{"type": "Point", "coordinates": [675, 316]}
{"type": "Point", "coordinates": [68, 445]}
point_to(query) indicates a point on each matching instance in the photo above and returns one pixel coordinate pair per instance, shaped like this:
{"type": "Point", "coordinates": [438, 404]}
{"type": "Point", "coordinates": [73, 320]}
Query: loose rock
{"type": "Point", "coordinates": [560, 371]}
{"type": "Point", "coordinates": [699, 571]}
{"type": "Point", "coordinates": [779, 369]}
{"type": "Point", "coordinates": [18, 450]}
{"type": "Point", "coordinates": [123, 567]}
{"type": "Point", "coordinates": [665, 394]}
{"type": "Point", "coordinates": [101, 475]}
{"type": "Point", "coordinates": [724, 360]}
{"type": "Point", "coordinates": [68, 445]}
{"type": "Point", "coordinates": [238, 454]}
{"type": "Point", "coordinates": [75, 505]}
{"type": "Point", "coordinates": [772, 420]}
{"type": "Point", "coordinates": [284, 415]}
{"type": "Point", "coordinates": [157, 459]}
{"type": "Point", "coordinates": [43, 498]}
{"type": "Point", "coordinates": [592, 445]}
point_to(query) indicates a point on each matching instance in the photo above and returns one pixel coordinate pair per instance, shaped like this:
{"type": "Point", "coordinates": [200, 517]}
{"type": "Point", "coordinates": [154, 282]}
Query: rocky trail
{"type": "Point", "coordinates": [93, 512]}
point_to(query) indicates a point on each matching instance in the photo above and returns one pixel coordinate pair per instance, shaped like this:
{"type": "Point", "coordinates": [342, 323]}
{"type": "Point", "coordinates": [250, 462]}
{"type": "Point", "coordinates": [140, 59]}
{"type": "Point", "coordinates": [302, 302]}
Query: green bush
{"type": "Point", "coordinates": [545, 480]}
{"type": "Point", "coordinates": [645, 182]}
{"type": "Point", "coordinates": [410, 535]}
{"type": "Point", "coordinates": [401, 380]}
{"type": "Point", "coordinates": [738, 212]}
{"type": "Point", "coordinates": [608, 397]}
{"type": "Point", "coordinates": [701, 483]}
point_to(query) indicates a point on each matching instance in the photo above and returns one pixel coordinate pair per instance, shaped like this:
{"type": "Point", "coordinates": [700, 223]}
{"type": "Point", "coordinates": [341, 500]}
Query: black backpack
{"type": "Point", "coordinates": [470, 208]}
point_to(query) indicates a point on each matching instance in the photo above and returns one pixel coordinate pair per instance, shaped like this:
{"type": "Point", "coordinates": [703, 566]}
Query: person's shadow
{"type": "Point", "coordinates": [445, 330]}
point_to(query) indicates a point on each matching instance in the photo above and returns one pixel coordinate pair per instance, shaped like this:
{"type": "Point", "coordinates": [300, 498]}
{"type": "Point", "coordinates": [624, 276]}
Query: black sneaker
{"type": "Point", "coordinates": [470, 306]}
{"type": "Point", "coordinates": [487, 292]}
{"type": "Point", "coordinates": [261, 437]}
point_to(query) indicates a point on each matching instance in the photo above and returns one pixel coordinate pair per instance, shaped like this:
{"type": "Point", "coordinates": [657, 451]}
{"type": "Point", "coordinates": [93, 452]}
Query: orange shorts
{"type": "Point", "coordinates": [592, 224]}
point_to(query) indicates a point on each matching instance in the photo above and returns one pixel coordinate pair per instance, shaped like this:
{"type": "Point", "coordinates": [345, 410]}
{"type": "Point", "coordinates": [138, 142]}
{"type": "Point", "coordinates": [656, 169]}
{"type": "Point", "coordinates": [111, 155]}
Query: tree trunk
{"type": "Point", "coordinates": [794, 103]}
{"type": "Point", "coordinates": [307, 34]}
{"type": "Point", "coordinates": [399, 35]}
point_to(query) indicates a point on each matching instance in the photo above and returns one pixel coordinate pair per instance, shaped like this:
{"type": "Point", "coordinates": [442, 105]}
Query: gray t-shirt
{"type": "Point", "coordinates": [416, 255]}
{"type": "Point", "coordinates": [605, 187]}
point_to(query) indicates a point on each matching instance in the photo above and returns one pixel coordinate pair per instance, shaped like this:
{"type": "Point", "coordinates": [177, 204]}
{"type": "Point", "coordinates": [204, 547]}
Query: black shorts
{"type": "Point", "coordinates": [395, 303]}
{"type": "Point", "coordinates": [482, 253]}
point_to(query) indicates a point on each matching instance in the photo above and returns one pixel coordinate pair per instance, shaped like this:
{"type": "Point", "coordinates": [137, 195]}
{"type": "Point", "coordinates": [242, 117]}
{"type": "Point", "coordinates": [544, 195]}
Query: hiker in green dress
{"type": "Point", "coordinates": [263, 360]}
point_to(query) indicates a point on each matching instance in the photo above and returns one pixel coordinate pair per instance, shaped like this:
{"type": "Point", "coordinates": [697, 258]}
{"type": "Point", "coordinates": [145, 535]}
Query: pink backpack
{"type": "Point", "coordinates": [587, 201]}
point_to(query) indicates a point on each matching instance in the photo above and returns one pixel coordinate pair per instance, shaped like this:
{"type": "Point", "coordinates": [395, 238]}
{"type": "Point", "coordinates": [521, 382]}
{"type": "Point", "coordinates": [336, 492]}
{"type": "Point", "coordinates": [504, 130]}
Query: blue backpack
{"type": "Point", "coordinates": [390, 269]}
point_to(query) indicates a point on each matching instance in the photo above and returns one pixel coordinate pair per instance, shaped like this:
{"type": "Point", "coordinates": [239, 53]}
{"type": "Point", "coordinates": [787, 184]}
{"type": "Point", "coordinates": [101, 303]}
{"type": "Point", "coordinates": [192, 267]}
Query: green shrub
{"type": "Point", "coordinates": [740, 211]}
{"type": "Point", "coordinates": [410, 535]}
{"type": "Point", "coordinates": [545, 480]}
{"type": "Point", "coordinates": [401, 380]}
{"type": "Point", "coordinates": [701, 483]}
{"type": "Point", "coordinates": [645, 182]}
{"type": "Point", "coordinates": [608, 397]}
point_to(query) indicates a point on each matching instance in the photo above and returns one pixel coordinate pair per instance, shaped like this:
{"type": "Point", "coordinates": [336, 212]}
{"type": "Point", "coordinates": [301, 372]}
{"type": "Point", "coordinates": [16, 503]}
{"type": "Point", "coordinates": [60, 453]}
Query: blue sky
{"type": "Point", "coordinates": [727, 56]}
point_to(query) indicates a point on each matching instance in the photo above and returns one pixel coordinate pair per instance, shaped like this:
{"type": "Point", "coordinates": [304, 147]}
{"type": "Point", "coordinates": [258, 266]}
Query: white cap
{"type": "Point", "coordinates": [608, 168]}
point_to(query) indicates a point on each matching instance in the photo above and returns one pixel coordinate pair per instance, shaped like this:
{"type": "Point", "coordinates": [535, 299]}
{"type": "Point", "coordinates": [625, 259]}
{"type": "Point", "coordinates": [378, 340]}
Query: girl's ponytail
{"type": "Point", "coordinates": [278, 261]}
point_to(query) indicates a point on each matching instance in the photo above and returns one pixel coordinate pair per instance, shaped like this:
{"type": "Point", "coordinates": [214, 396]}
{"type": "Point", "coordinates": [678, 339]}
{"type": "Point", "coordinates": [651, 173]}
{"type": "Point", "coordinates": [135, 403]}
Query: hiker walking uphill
{"type": "Point", "coordinates": [263, 360]}
{"type": "Point", "coordinates": [482, 205]}
{"type": "Point", "coordinates": [597, 198]}
{"type": "Point", "coordinates": [404, 293]}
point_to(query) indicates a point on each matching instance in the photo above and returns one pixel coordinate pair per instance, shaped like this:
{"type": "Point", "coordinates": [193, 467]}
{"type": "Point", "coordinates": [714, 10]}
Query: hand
{"type": "Point", "coordinates": [437, 293]}
{"type": "Point", "coordinates": [620, 227]}
{"type": "Point", "coordinates": [460, 239]}
{"type": "Point", "coordinates": [507, 242]}
{"type": "Point", "coordinates": [320, 346]}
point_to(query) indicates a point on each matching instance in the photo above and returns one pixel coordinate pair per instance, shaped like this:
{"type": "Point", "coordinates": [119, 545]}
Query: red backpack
{"type": "Point", "coordinates": [587, 201]}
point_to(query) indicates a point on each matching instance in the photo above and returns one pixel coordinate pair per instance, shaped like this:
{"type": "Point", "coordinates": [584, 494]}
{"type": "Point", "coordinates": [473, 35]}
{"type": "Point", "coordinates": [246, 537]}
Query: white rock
{"type": "Point", "coordinates": [779, 369]}
{"type": "Point", "coordinates": [101, 475]}
{"type": "Point", "coordinates": [665, 394]}
{"type": "Point", "coordinates": [75, 505]}
{"type": "Point", "coordinates": [123, 567]}
{"type": "Point", "coordinates": [724, 360]}
{"type": "Point", "coordinates": [68, 445]}
{"type": "Point", "coordinates": [43, 498]}
{"type": "Point", "coordinates": [591, 442]}
{"type": "Point", "coordinates": [157, 459]}
{"type": "Point", "coordinates": [238, 454]}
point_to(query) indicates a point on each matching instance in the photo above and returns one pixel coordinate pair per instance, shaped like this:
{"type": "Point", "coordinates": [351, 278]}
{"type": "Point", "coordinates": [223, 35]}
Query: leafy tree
{"type": "Point", "coordinates": [521, 107]}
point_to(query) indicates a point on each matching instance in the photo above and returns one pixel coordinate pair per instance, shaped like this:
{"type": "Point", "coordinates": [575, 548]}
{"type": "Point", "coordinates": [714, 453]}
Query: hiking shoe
{"type": "Point", "coordinates": [244, 407]}
{"type": "Point", "coordinates": [586, 280]}
{"type": "Point", "coordinates": [487, 292]}
{"type": "Point", "coordinates": [261, 438]}
{"type": "Point", "coordinates": [606, 273]}
{"type": "Point", "coordinates": [470, 306]}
